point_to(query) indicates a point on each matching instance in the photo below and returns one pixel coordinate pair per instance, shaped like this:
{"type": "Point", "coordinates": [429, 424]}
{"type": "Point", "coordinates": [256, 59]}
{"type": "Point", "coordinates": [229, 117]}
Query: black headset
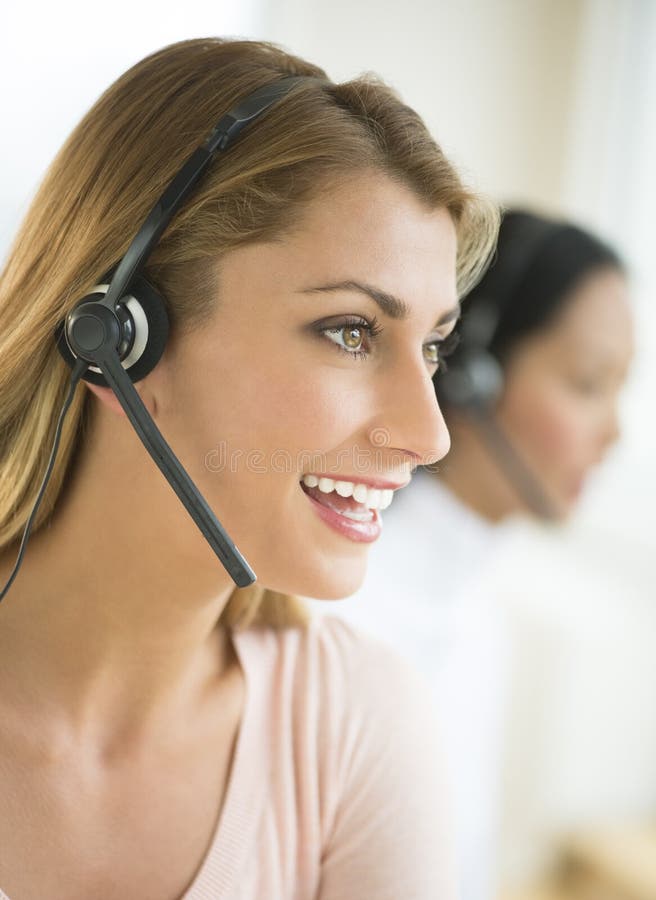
{"type": "Point", "coordinates": [474, 380]}
{"type": "Point", "coordinates": [117, 334]}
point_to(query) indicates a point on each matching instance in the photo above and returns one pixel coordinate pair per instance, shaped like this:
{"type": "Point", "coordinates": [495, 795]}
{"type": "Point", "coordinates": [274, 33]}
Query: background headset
{"type": "Point", "coordinates": [116, 334]}
{"type": "Point", "coordinates": [474, 380]}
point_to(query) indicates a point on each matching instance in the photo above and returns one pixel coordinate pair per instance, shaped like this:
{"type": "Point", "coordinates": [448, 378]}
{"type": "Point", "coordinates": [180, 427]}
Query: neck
{"type": "Point", "coordinates": [111, 623]}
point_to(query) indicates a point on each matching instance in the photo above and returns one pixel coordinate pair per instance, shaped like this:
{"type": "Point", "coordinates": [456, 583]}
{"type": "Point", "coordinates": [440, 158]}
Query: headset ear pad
{"type": "Point", "coordinates": [151, 331]}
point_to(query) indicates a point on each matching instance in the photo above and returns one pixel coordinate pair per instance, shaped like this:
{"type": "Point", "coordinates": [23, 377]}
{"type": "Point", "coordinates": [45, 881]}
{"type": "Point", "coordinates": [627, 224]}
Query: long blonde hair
{"type": "Point", "coordinates": [109, 174]}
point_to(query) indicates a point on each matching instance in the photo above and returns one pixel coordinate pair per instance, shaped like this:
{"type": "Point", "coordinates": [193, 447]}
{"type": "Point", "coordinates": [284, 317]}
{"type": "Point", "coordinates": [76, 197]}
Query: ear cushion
{"type": "Point", "coordinates": [151, 321]}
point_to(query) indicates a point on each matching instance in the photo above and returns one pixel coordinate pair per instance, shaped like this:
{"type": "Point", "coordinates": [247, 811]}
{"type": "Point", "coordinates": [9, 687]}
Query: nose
{"type": "Point", "coordinates": [410, 420]}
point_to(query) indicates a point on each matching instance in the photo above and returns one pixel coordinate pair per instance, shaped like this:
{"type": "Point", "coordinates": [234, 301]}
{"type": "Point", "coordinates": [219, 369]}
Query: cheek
{"type": "Point", "coordinates": [306, 414]}
{"type": "Point", "coordinates": [546, 423]}
{"type": "Point", "coordinates": [275, 409]}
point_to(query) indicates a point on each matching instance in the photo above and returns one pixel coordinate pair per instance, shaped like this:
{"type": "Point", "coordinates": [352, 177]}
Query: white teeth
{"type": "Point", "coordinates": [379, 499]}
{"type": "Point", "coordinates": [386, 498]}
{"type": "Point", "coordinates": [358, 515]}
{"type": "Point", "coordinates": [344, 488]}
{"type": "Point", "coordinates": [372, 498]}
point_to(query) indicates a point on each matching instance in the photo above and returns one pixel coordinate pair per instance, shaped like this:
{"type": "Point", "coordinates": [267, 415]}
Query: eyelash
{"type": "Point", "coordinates": [444, 347]}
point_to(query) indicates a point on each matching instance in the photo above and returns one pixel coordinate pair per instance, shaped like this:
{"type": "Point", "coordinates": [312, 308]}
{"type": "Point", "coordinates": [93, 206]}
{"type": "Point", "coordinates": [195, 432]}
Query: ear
{"type": "Point", "coordinates": [110, 401]}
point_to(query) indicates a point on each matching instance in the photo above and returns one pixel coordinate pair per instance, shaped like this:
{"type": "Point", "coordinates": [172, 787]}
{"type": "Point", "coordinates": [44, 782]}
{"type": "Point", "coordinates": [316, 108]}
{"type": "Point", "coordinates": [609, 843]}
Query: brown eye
{"type": "Point", "coordinates": [352, 337]}
{"type": "Point", "coordinates": [432, 353]}
{"type": "Point", "coordinates": [349, 338]}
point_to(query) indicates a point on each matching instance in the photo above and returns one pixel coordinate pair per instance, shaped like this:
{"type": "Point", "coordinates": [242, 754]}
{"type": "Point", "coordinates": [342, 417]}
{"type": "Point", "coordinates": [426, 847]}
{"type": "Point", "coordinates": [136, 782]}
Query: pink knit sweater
{"type": "Point", "coordinates": [335, 789]}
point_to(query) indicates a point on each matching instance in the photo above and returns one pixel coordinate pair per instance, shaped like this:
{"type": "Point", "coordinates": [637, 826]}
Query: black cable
{"type": "Point", "coordinates": [78, 371]}
{"type": "Point", "coordinates": [519, 474]}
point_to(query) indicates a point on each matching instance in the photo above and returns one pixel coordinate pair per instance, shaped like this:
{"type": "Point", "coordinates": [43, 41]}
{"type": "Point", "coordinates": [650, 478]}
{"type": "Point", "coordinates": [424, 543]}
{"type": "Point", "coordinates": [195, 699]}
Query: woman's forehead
{"type": "Point", "coordinates": [372, 232]}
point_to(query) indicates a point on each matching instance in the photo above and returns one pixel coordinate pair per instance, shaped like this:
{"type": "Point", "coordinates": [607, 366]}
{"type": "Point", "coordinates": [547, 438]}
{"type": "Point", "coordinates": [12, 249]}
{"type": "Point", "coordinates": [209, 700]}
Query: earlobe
{"type": "Point", "coordinates": [108, 398]}
{"type": "Point", "coordinates": [110, 401]}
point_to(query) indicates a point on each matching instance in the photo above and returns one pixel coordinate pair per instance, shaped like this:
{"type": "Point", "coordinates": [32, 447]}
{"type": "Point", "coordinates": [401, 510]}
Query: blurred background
{"type": "Point", "coordinates": [542, 103]}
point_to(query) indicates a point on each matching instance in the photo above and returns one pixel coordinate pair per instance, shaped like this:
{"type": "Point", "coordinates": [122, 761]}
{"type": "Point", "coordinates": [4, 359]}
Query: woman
{"type": "Point", "coordinates": [530, 396]}
{"type": "Point", "coordinates": [163, 733]}
{"type": "Point", "coordinates": [553, 315]}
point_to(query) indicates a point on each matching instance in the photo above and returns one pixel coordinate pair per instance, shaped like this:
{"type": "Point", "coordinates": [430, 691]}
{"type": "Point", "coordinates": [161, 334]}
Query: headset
{"type": "Point", "coordinates": [474, 380]}
{"type": "Point", "coordinates": [116, 334]}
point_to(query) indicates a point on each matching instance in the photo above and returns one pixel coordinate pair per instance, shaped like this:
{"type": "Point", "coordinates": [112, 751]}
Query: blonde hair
{"type": "Point", "coordinates": [111, 171]}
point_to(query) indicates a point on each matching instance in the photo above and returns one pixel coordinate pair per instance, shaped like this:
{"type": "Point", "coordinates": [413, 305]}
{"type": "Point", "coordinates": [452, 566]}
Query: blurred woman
{"type": "Point", "coordinates": [530, 394]}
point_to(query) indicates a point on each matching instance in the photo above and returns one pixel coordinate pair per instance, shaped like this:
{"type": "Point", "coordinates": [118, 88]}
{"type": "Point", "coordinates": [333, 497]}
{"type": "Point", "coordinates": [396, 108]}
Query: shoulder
{"type": "Point", "coordinates": [385, 800]}
{"type": "Point", "coordinates": [352, 664]}
{"type": "Point", "coordinates": [341, 678]}
{"type": "Point", "coordinates": [368, 669]}
{"type": "Point", "coordinates": [369, 705]}
{"type": "Point", "coordinates": [356, 721]}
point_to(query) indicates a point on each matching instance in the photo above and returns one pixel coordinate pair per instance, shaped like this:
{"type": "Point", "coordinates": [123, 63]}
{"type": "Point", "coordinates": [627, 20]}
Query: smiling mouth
{"type": "Point", "coordinates": [355, 501]}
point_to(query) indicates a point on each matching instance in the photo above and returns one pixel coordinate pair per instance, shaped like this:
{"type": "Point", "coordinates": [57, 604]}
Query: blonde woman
{"type": "Point", "coordinates": [164, 734]}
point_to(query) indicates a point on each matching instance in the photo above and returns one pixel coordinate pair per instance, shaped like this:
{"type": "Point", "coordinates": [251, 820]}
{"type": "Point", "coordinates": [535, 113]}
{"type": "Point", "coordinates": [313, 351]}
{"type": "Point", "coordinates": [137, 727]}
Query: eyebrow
{"type": "Point", "coordinates": [392, 306]}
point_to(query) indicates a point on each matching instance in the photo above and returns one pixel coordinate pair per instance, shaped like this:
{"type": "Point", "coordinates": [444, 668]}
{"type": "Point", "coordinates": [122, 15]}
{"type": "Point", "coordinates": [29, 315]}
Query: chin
{"type": "Point", "coordinates": [335, 596]}
{"type": "Point", "coordinates": [562, 509]}
{"type": "Point", "coordinates": [563, 514]}
{"type": "Point", "coordinates": [334, 589]}
{"type": "Point", "coordinates": [335, 580]}
{"type": "Point", "coordinates": [569, 499]}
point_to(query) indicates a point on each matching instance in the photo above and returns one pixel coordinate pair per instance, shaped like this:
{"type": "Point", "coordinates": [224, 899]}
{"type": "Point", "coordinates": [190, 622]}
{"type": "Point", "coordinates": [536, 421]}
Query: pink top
{"type": "Point", "coordinates": [335, 790]}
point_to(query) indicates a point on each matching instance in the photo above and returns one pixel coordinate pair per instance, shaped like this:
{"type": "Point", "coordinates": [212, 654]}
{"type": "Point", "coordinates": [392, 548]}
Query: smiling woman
{"type": "Point", "coordinates": [169, 734]}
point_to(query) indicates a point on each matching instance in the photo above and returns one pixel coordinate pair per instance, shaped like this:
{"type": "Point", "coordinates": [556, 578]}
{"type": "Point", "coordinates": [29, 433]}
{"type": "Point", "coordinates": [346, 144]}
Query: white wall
{"type": "Point", "coordinates": [56, 58]}
{"type": "Point", "coordinates": [610, 184]}
{"type": "Point", "coordinates": [492, 78]}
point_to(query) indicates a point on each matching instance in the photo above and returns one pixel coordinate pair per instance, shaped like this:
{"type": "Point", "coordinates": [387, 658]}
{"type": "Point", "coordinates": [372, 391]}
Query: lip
{"type": "Point", "coordinates": [379, 483]}
{"type": "Point", "coordinates": [359, 532]}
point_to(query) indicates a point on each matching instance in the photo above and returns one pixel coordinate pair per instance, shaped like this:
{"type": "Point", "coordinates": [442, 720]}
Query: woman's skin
{"type": "Point", "coordinates": [559, 407]}
{"type": "Point", "coordinates": [121, 698]}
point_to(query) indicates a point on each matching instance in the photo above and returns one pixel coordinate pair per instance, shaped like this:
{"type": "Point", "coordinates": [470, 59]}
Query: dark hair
{"type": "Point", "coordinates": [538, 264]}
